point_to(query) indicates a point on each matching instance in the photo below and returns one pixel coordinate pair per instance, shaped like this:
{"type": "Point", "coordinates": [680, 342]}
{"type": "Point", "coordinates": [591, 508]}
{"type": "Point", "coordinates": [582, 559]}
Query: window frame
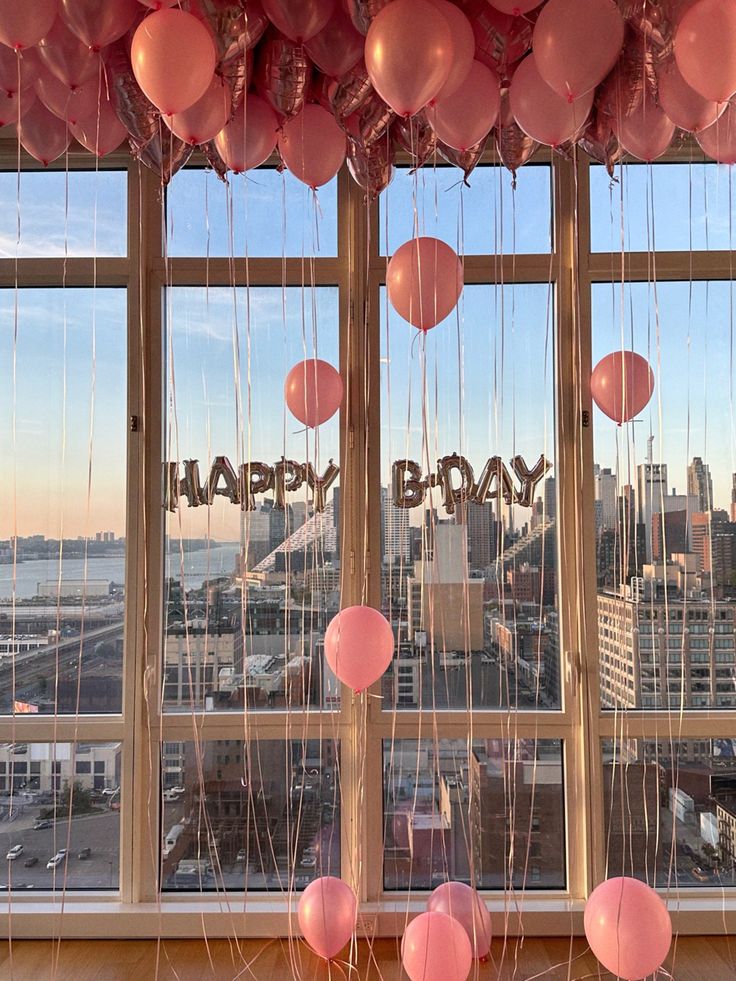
{"type": "Point", "coordinates": [361, 724]}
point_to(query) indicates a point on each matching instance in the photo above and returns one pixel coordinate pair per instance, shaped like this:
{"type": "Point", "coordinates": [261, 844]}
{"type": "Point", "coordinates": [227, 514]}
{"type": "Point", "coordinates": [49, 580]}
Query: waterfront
{"type": "Point", "coordinates": [219, 560]}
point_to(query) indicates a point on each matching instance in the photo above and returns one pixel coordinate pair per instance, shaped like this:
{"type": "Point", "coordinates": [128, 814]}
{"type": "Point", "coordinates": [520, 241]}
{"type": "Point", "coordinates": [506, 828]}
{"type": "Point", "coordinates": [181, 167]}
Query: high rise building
{"type": "Point", "coordinates": [657, 653]}
{"type": "Point", "coordinates": [483, 535]}
{"type": "Point", "coordinates": [550, 498]}
{"type": "Point", "coordinates": [651, 489]}
{"type": "Point", "coordinates": [733, 497]}
{"type": "Point", "coordinates": [394, 531]}
{"type": "Point", "coordinates": [606, 492]}
{"type": "Point", "coordinates": [700, 484]}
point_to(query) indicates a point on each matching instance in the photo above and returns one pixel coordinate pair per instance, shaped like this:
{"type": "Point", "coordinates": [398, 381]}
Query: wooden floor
{"type": "Point", "coordinates": [702, 958]}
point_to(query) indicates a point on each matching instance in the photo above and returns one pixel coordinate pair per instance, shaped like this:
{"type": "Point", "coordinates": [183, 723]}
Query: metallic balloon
{"type": "Point", "coordinates": [500, 39]}
{"type": "Point", "coordinates": [255, 478]}
{"type": "Point", "coordinates": [374, 118]}
{"type": "Point", "coordinates": [351, 92]}
{"type": "Point", "coordinates": [514, 146]}
{"type": "Point", "coordinates": [215, 160]}
{"type": "Point", "coordinates": [494, 471]}
{"type": "Point", "coordinates": [177, 486]}
{"type": "Point", "coordinates": [529, 478]}
{"type": "Point", "coordinates": [453, 496]}
{"type": "Point", "coordinates": [362, 12]}
{"type": "Point", "coordinates": [139, 116]}
{"type": "Point", "coordinates": [320, 485]}
{"type": "Point", "coordinates": [466, 160]}
{"type": "Point", "coordinates": [407, 492]}
{"type": "Point", "coordinates": [288, 476]}
{"type": "Point", "coordinates": [600, 142]}
{"type": "Point", "coordinates": [222, 481]}
{"type": "Point", "coordinates": [282, 75]}
{"type": "Point", "coordinates": [416, 137]}
{"type": "Point", "coordinates": [624, 89]}
{"type": "Point", "coordinates": [371, 166]}
{"type": "Point", "coordinates": [164, 153]}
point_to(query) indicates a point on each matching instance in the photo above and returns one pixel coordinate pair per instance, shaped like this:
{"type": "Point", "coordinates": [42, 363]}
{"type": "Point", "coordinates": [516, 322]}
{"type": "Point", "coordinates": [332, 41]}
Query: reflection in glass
{"type": "Point", "coordinates": [263, 815]}
{"type": "Point", "coordinates": [492, 816]}
{"type": "Point", "coordinates": [249, 591]}
{"type": "Point", "coordinates": [671, 810]}
{"type": "Point", "coordinates": [60, 815]}
{"type": "Point", "coordinates": [471, 588]}
{"type": "Point", "coordinates": [62, 521]}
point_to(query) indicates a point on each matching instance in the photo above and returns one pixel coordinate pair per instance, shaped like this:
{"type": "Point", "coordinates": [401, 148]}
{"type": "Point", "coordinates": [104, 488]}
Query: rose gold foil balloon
{"type": "Point", "coordinates": [283, 74]}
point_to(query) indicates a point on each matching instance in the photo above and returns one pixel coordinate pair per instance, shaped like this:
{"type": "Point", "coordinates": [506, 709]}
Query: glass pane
{"type": "Point", "coordinates": [671, 810]}
{"type": "Point", "coordinates": [249, 591]}
{"type": "Point", "coordinates": [264, 214]}
{"type": "Point", "coordinates": [665, 531]}
{"type": "Point", "coordinates": [493, 814]}
{"type": "Point", "coordinates": [62, 524]}
{"type": "Point", "coordinates": [470, 587]}
{"type": "Point", "coordinates": [489, 217]}
{"type": "Point", "coordinates": [666, 206]}
{"type": "Point", "coordinates": [265, 815]}
{"type": "Point", "coordinates": [60, 815]}
{"type": "Point", "coordinates": [79, 213]}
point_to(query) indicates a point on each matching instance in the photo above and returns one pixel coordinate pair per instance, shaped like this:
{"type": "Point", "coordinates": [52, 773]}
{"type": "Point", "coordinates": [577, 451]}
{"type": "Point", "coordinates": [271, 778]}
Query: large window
{"type": "Point", "coordinates": [173, 543]}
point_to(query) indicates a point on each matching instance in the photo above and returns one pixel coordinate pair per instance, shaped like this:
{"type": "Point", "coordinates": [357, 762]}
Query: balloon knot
{"type": "Point", "coordinates": [570, 98]}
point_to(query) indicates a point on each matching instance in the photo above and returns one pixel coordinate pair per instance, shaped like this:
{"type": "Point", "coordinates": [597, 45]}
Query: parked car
{"type": "Point", "coordinates": [85, 853]}
{"type": "Point", "coordinates": [31, 861]}
{"type": "Point", "coordinates": [15, 852]}
{"type": "Point", "coordinates": [42, 825]}
{"type": "Point", "coordinates": [110, 791]}
{"type": "Point", "coordinates": [241, 855]}
{"type": "Point", "coordinates": [308, 861]}
{"type": "Point", "coordinates": [55, 862]}
{"type": "Point", "coordinates": [700, 874]}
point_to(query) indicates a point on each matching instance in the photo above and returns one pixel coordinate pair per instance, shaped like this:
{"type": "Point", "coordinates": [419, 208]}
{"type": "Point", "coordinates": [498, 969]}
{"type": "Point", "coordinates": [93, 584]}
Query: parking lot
{"type": "Point", "coordinates": [99, 832]}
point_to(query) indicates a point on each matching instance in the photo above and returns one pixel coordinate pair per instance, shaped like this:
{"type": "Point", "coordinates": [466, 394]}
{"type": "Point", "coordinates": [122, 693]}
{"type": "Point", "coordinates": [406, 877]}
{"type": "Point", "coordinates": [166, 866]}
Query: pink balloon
{"type": "Point", "coordinates": [515, 7]}
{"type": "Point", "coordinates": [43, 134]}
{"type": "Point", "coordinates": [435, 947]}
{"type": "Point", "coordinates": [621, 385]}
{"type": "Point", "coordinates": [463, 47]}
{"type": "Point", "coordinates": [312, 145]}
{"type": "Point", "coordinates": [719, 140]}
{"type": "Point", "coordinates": [249, 139]}
{"type": "Point", "coordinates": [646, 132]}
{"type": "Point", "coordinates": [327, 912]}
{"type": "Point", "coordinates": [338, 47]}
{"type": "Point", "coordinates": [544, 115]}
{"type": "Point", "coordinates": [15, 66]}
{"type": "Point", "coordinates": [13, 107]}
{"type": "Point", "coordinates": [173, 59]}
{"type": "Point", "coordinates": [313, 391]}
{"type": "Point", "coordinates": [465, 905]}
{"type": "Point", "coordinates": [683, 105]}
{"type": "Point", "coordinates": [202, 122]}
{"type": "Point", "coordinates": [67, 57]}
{"type": "Point", "coordinates": [101, 132]}
{"type": "Point", "coordinates": [359, 646]}
{"type": "Point", "coordinates": [158, 4]}
{"type": "Point", "coordinates": [462, 119]}
{"type": "Point", "coordinates": [577, 44]}
{"type": "Point", "coordinates": [628, 928]}
{"type": "Point", "coordinates": [705, 49]}
{"type": "Point", "coordinates": [71, 105]}
{"type": "Point", "coordinates": [299, 20]}
{"type": "Point", "coordinates": [424, 281]}
{"type": "Point", "coordinates": [99, 24]}
{"type": "Point", "coordinates": [24, 24]}
{"type": "Point", "coordinates": [408, 54]}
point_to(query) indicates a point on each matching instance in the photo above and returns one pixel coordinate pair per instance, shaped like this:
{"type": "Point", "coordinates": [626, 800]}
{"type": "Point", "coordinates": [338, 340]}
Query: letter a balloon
{"type": "Point", "coordinates": [621, 385]}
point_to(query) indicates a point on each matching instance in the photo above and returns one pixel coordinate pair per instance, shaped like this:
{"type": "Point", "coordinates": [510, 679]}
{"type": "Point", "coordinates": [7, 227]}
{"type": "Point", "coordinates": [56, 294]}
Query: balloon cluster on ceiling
{"type": "Point", "coordinates": [322, 80]}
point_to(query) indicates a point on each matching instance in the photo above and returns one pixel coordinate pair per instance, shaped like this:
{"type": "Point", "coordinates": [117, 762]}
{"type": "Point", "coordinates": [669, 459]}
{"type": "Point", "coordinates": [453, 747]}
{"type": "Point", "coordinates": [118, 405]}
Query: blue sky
{"type": "Point", "coordinates": [489, 366]}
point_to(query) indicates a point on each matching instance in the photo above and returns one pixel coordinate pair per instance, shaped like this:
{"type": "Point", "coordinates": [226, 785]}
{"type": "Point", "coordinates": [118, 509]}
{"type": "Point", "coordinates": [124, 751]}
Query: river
{"type": "Point", "coordinates": [219, 560]}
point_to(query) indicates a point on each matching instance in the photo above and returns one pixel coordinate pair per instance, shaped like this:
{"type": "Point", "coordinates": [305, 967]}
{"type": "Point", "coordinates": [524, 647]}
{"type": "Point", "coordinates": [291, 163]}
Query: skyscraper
{"type": "Point", "coordinates": [700, 483]}
{"type": "Point", "coordinates": [606, 493]}
{"type": "Point", "coordinates": [651, 488]}
{"type": "Point", "coordinates": [482, 535]}
{"type": "Point", "coordinates": [395, 538]}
